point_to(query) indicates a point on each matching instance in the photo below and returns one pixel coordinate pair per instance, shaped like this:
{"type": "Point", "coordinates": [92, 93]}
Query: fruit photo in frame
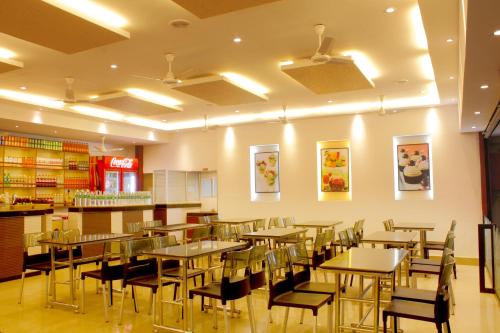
{"type": "Point", "coordinates": [335, 170]}
{"type": "Point", "coordinates": [267, 172]}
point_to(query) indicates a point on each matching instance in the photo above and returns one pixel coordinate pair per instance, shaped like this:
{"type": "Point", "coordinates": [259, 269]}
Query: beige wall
{"type": "Point", "coordinates": [457, 191]}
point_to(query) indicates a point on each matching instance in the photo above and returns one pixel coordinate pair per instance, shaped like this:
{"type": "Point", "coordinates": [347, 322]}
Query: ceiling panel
{"type": "Point", "coordinates": [209, 8]}
{"type": "Point", "coordinates": [125, 102]}
{"type": "Point", "coordinates": [7, 65]}
{"type": "Point", "coordinates": [331, 77]}
{"type": "Point", "coordinates": [43, 24]}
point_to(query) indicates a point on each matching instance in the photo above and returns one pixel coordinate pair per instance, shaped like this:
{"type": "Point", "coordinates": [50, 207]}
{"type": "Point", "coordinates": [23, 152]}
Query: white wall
{"type": "Point", "coordinates": [457, 192]}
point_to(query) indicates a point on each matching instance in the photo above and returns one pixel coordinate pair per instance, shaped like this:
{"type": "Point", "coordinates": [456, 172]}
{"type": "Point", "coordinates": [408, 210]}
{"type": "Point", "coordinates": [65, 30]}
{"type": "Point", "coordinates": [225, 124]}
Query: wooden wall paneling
{"type": "Point", "coordinates": [11, 247]}
{"type": "Point", "coordinates": [93, 223]}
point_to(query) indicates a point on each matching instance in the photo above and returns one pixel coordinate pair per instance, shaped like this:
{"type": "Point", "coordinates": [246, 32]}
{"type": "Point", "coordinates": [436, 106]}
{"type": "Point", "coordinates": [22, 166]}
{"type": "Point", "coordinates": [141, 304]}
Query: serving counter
{"type": "Point", "coordinates": [13, 224]}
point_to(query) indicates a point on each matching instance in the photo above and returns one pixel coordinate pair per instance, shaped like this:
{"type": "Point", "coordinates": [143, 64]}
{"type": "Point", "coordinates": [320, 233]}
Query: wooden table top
{"type": "Point", "coordinates": [195, 249]}
{"type": "Point", "coordinates": [273, 233]}
{"type": "Point", "coordinates": [318, 224]}
{"type": "Point", "coordinates": [233, 221]}
{"type": "Point", "coordinates": [85, 239]}
{"type": "Point", "coordinates": [390, 237]}
{"type": "Point", "coordinates": [366, 260]}
{"type": "Point", "coordinates": [177, 227]}
{"type": "Point", "coordinates": [415, 226]}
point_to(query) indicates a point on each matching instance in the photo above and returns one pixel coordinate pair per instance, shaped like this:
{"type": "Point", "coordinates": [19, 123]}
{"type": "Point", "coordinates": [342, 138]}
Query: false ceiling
{"type": "Point", "coordinates": [402, 70]}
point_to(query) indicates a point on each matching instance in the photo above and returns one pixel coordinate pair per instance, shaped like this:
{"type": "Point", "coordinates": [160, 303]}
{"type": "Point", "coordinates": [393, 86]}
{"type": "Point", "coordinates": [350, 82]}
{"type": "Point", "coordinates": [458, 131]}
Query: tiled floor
{"type": "Point", "coordinates": [474, 312]}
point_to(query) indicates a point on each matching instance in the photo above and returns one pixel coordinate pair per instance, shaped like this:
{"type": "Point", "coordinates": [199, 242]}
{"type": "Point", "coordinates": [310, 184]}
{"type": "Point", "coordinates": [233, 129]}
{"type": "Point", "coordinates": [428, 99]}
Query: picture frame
{"type": "Point", "coordinates": [267, 172]}
{"type": "Point", "coordinates": [413, 167]}
{"type": "Point", "coordinates": [335, 170]}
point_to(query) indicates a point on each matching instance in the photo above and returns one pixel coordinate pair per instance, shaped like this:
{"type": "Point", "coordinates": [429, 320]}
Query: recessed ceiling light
{"type": "Point", "coordinates": [449, 40]}
{"type": "Point", "coordinates": [237, 40]}
{"type": "Point", "coordinates": [286, 62]}
{"type": "Point", "coordinates": [17, 126]}
{"type": "Point", "coordinates": [484, 86]}
{"type": "Point", "coordinates": [451, 77]}
{"type": "Point", "coordinates": [164, 120]}
{"type": "Point", "coordinates": [179, 23]}
{"type": "Point", "coordinates": [477, 112]}
{"type": "Point", "coordinates": [473, 127]}
{"type": "Point", "coordinates": [237, 111]}
{"type": "Point", "coordinates": [394, 111]}
{"type": "Point", "coordinates": [390, 10]}
{"type": "Point", "coordinates": [114, 66]}
{"type": "Point", "coordinates": [93, 96]}
{"type": "Point", "coordinates": [23, 87]}
{"type": "Point", "coordinates": [330, 101]}
{"type": "Point", "coordinates": [497, 33]}
{"type": "Point", "coordinates": [55, 132]}
{"type": "Point", "coordinates": [402, 81]}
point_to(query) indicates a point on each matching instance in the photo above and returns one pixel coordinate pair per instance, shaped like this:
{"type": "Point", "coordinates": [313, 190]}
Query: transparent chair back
{"type": "Point", "coordinates": [225, 233]}
{"type": "Point", "coordinates": [242, 229]}
{"type": "Point", "coordinates": [257, 258]}
{"type": "Point", "coordinates": [444, 278]}
{"type": "Point", "coordinates": [201, 234]}
{"type": "Point", "coordinates": [344, 240]}
{"type": "Point", "coordinates": [135, 247]}
{"type": "Point", "coordinates": [134, 227]}
{"type": "Point", "coordinates": [387, 226]}
{"type": "Point", "coordinates": [351, 236]}
{"type": "Point", "coordinates": [236, 265]}
{"type": "Point", "coordinates": [276, 222]}
{"type": "Point", "coordinates": [289, 221]}
{"type": "Point", "coordinates": [259, 224]}
{"type": "Point", "coordinates": [298, 254]}
{"type": "Point", "coordinates": [152, 224]}
{"type": "Point", "coordinates": [278, 264]}
{"type": "Point", "coordinates": [453, 225]}
{"type": "Point", "coordinates": [319, 243]}
{"type": "Point", "coordinates": [164, 241]}
{"type": "Point", "coordinates": [30, 242]}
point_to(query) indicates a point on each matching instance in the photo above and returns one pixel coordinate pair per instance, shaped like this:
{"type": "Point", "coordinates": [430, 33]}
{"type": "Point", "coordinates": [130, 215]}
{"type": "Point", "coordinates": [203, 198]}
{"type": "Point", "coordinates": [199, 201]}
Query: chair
{"type": "Point", "coordinates": [140, 273]}
{"type": "Point", "coordinates": [36, 262]}
{"type": "Point", "coordinates": [439, 246]}
{"type": "Point", "coordinates": [289, 221]}
{"type": "Point", "coordinates": [359, 230]}
{"type": "Point", "coordinates": [282, 293]}
{"type": "Point", "coordinates": [388, 225]}
{"type": "Point", "coordinates": [135, 228]}
{"type": "Point", "coordinates": [438, 313]}
{"type": "Point", "coordinates": [329, 244]}
{"type": "Point", "coordinates": [107, 273]}
{"type": "Point", "coordinates": [151, 224]}
{"type": "Point", "coordinates": [242, 229]}
{"type": "Point", "coordinates": [342, 243]}
{"type": "Point", "coordinates": [353, 240]}
{"type": "Point", "coordinates": [275, 222]}
{"type": "Point", "coordinates": [259, 224]}
{"type": "Point", "coordinates": [235, 284]}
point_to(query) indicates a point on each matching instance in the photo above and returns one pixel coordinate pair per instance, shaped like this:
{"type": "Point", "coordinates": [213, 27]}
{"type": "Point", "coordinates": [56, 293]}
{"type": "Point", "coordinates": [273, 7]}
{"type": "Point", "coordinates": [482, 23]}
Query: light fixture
{"type": "Point", "coordinates": [451, 77]}
{"type": "Point", "coordinates": [496, 33]}
{"type": "Point", "coordinates": [152, 97]}
{"type": "Point", "coordinates": [245, 83]}
{"type": "Point", "coordinates": [390, 10]}
{"type": "Point", "coordinates": [330, 101]}
{"type": "Point", "coordinates": [93, 96]}
{"type": "Point", "coordinates": [30, 99]}
{"type": "Point", "coordinates": [164, 120]}
{"type": "Point", "coordinates": [477, 113]}
{"type": "Point", "coordinates": [6, 54]}
{"type": "Point", "coordinates": [237, 40]}
{"type": "Point", "coordinates": [91, 11]}
{"type": "Point", "coordinates": [449, 40]}
{"type": "Point", "coordinates": [286, 62]}
{"type": "Point", "coordinates": [17, 126]}
{"type": "Point", "coordinates": [237, 111]}
{"type": "Point", "coordinates": [23, 87]}
{"type": "Point", "coordinates": [473, 127]}
{"type": "Point", "coordinates": [113, 66]}
{"type": "Point", "coordinates": [97, 112]}
{"type": "Point", "coordinates": [484, 86]}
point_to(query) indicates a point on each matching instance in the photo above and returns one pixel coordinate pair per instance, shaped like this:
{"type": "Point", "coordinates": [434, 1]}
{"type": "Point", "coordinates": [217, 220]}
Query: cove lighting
{"type": "Point", "coordinates": [30, 99]}
{"type": "Point", "coordinates": [286, 62]}
{"type": "Point", "coordinates": [245, 83]}
{"type": "Point", "coordinates": [426, 67]}
{"type": "Point", "coordinates": [97, 112]}
{"type": "Point", "coordinates": [418, 29]}
{"type": "Point", "coordinates": [91, 10]}
{"type": "Point", "coordinates": [146, 122]}
{"type": "Point", "coordinates": [6, 54]}
{"type": "Point", "coordinates": [364, 64]}
{"type": "Point", "coordinates": [152, 97]}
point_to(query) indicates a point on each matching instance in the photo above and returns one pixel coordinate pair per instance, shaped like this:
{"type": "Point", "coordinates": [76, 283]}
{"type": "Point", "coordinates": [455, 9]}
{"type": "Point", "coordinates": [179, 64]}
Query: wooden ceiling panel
{"type": "Point", "coordinates": [7, 65]}
{"type": "Point", "coordinates": [218, 90]}
{"type": "Point", "coordinates": [124, 102]}
{"type": "Point", "coordinates": [326, 78]}
{"type": "Point", "coordinates": [209, 8]}
{"type": "Point", "coordinates": [43, 24]}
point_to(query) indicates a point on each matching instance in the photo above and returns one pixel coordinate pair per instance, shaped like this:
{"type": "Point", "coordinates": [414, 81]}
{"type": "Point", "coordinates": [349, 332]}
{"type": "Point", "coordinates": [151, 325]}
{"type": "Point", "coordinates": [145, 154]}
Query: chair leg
{"type": "Point", "coordinates": [270, 316]}
{"type": "Point", "coordinates": [213, 304]}
{"type": "Point", "coordinates": [315, 327]}
{"type": "Point", "coordinates": [154, 306]}
{"type": "Point", "coordinates": [302, 316]}
{"type": "Point", "coordinates": [384, 322]}
{"type": "Point", "coordinates": [136, 309]}
{"type": "Point", "coordinates": [47, 289]}
{"type": "Point", "coordinates": [22, 288]}
{"type": "Point", "coordinates": [191, 317]}
{"type": "Point", "coordinates": [439, 327]}
{"type": "Point", "coordinates": [325, 276]}
{"type": "Point", "coordinates": [448, 327]}
{"type": "Point", "coordinates": [226, 318]}
{"type": "Point", "coordinates": [395, 325]}
{"type": "Point", "coordinates": [251, 315]}
{"type": "Point", "coordinates": [83, 297]}
{"type": "Point", "coordinates": [330, 317]}
{"type": "Point", "coordinates": [150, 301]}
{"type": "Point", "coordinates": [121, 306]}
{"type": "Point", "coordinates": [285, 319]}
{"type": "Point", "coordinates": [105, 302]}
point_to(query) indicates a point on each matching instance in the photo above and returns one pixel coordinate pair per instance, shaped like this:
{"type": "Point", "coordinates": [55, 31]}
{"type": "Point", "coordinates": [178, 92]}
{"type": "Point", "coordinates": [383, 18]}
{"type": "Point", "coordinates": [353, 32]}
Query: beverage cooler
{"type": "Point", "coordinates": [114, 174]}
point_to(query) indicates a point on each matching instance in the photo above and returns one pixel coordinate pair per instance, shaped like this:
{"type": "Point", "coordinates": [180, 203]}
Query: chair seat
{"type": "Point", "coordinates": [413, 294]}
{"type": "Point", "coordinates": [410, 310]}
{"type": "Point", "coordinates": [317, 288]}
{"type": "Point", "coordinates": [44, 266]}
{"type": "Point", "coordinates": [176, 272]}
{"type": "Point", "coordinates": [434, 247]}
{"type": "Point", "coordinates": [421, 261]}
{"type": "Point", "coordinates": [148, 281]}
{"type": "Point", "coordinates": [302, 300]}
{"type": "Point", "coordinates": [211, 290]}
{"type": "Point", "coordinates": [424, 269]}
{"type": "Point", "coordinates": [434, 243]}
{"type": "Point", "coordinates": [111, 273]}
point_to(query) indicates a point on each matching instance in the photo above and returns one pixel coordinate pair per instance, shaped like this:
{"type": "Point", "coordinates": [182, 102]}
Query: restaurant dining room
{"type": "Point", "coordinates": [295, 166]}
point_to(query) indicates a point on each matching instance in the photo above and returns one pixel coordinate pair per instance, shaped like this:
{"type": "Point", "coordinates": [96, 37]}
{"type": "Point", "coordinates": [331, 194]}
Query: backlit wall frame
{"type": "Point", "coordinates": [333, 196]}
{"type": "Point", "coordinates": [411, 140]}
{"type": "Point", "coordinates": [254, 195]}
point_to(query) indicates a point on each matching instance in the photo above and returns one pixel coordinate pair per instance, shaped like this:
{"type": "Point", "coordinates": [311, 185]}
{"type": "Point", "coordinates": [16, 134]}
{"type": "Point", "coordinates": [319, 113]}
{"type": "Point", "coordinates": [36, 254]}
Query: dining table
{"type": "Point", "coordinates": [69, 243]}
{"type": "Point", "coordinates": [422, 228]}
{"type": "Point", "coordinates": [274, 234]}
{"type": "Point", "coordinates": [319, 225]}
{"type": "Point", "coordinates": [369, 263]}
{"type": "Point", "coordinates": [167, 229]}
{"type": "Point", "coordinates": [184, 253]}
{"type": "Point", "coordinates": [234, 221]}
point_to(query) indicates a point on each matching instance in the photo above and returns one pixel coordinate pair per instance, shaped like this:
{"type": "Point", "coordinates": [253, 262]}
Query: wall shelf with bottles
{"type": "Point", "coordinates": [43, 170]}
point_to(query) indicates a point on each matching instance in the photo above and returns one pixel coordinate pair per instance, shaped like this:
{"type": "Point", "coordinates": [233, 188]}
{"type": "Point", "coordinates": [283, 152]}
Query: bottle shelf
{"type": "Point", "coordinates": [40, 166]}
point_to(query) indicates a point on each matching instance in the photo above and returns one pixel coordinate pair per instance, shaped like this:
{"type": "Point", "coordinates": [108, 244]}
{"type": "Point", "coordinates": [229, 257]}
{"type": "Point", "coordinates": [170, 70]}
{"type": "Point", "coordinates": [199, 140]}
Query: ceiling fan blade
{"type": "Point", "coordinates": [326, 45]}
{"type": "Point", "coordinates": [146, 77]}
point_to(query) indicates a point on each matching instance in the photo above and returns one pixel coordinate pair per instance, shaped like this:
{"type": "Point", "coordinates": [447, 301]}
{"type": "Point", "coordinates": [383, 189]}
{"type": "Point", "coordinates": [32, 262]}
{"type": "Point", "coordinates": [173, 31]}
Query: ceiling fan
{"type": "Point", "coordinates": [69, 93]}
{"type": "Point", "coordinates": [101, 148]}
{"type": "Point", "coordinates": [282, 119]}
{"type": "Point", "coordinates": [170, 77]}
{"type": "Point", "coordinates": [325, 46]}
{"type": "Point", "coordinates": [206, 127]}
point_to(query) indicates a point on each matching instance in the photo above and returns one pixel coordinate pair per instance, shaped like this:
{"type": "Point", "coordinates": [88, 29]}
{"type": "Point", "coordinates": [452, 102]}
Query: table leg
{"type": "Point", "coordinates": [407, 268]}
{"type": "Point", "coordinates": [185, 295]}
{"type": "Point", "coordinates": [53, 272]}
{"type": "Point", "coordinates": [337, 302]}
{"type": "Point", "coordinates": [71, 276]}
{"type": "Point", "coordinates": [159, 295]}
{"type": "Point", "coordinates": [422, 242]}
{"type": "Point", "coordinates": [376, 301]}
{"type": "Point", "coordinates": [360, 295]}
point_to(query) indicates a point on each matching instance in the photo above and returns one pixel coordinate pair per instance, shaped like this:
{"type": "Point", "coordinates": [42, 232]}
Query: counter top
{"type": "Point", "coordinates": [179, 205]}
{"type": "Point", "coordinates": [25, 212]}
{"type": "Point", "coordinates": [204, 213]}
{"type": "Point", "coordinates": [109, 208]}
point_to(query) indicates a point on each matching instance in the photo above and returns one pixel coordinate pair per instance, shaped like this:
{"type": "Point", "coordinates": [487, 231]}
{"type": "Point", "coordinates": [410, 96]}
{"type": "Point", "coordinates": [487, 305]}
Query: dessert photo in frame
{"type": "Point", "coordinates": [413, 167]}
{"type": "Point", "coordinates": [335, 170]}
{"type": "Point", "coordinates": [267, 172]}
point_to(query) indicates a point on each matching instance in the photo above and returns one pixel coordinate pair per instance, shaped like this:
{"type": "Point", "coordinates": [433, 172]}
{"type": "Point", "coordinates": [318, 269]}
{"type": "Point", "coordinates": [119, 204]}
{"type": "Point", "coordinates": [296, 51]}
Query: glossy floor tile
{"type": "Point", "coordinates": [474, 312]}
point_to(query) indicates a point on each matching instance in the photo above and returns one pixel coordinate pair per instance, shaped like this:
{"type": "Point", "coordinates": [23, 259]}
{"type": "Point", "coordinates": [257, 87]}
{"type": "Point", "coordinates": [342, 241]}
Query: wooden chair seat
{"type": "Point", "coordinates": [411, 310]}
{"type": "Point", "coordinates": [211, 290]}
{"type": "Point", "coordinates": [302, 300]}
{"type": "Point", "coordinates": [176, 272]}
{"type": "Point", "coordinates": [434, 247]}
{"type": "Point", "coordinates": [424, 269]}
{"type": "Point", "coordinates": [413, 294]}
{"type": "Point", "coordinates": [317, 287]}
{"type": "Point", "coordinates": [111, 273]}
{"type": "Point", "coordinates": [422, 261]}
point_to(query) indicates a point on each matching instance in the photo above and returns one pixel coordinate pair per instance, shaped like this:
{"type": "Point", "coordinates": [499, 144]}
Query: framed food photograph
{"type": "Point", "coordinates": [335, 170]}
{"type": "Point", "coordinates": [413, 167]}
{"type": "Point", "coordinates": [267, 172]}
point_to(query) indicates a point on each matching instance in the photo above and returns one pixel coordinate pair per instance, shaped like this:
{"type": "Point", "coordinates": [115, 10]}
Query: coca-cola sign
{"type": "Point", "coordinates": [121, 162]}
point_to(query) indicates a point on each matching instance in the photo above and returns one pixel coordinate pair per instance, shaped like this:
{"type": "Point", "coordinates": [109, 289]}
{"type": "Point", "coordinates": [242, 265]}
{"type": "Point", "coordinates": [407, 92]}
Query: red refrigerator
{"type": "Point", "coordinates": [115, 174]}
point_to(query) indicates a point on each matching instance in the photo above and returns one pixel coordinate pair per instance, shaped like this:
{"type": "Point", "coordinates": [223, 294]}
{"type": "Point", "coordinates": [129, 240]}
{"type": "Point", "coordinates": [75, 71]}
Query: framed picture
{"type": "Point", "coordinates": [267, 172]}
{"type": "Point", "coordinates": [413, 167]}
{"type": "Point", "coordinates": [335, 170]}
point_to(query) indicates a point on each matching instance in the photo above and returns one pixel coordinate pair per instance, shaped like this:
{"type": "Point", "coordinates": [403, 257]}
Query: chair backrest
{"type": "Point", "coordinates": [30, 240]}
{"type": "Point", "coordinates": [235, 282]}
{"type": "Point", "coordinates": [387, 225]}
{"type": "Point", "coordinates": [164, 241]}
{"type": "Point", "coordinates": [329, 242]}
{"type": "Point", "coordinates": [225, 233]}
{"type": "Point", "coordinates": [453, 225]}
{"type": "Point", "coordinates": [150, 224]}
{"type": "Point", "coordinates": [344, 240]}
{"type": "Point", "coordinates": [318, 255]}
{"type": "Point", "coordinates": [289, 221]}
{"type": "Point", "coordinates": [130, 250]}
{"type": "Point", "coordinates": [300, 263]}
{"type": "Point", "coordinates": [352, 237]}
{"type": "Point", "coordinates": [276, 222]}
{"type": "Point", "coordinates": [441, 304]}
{"type": "Point", "coordinates": [242, 229]}
{"type": "Point", "coordinates": [279, 272]}
{"type": "Point", "coordinates": [201, 233]}
{"type": "Point", "coordinates": [259, 224]}
{"type": "Point", "coordinates": [257, 266]}
{"type": "Point", "coordinates": [134, 227]}
{"type": "Point", "coordinates": [203, 219]}
{"type": "Point", "coordinates": [359, 229]}
{"type": "Point", "coordinates": [449, 242]}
